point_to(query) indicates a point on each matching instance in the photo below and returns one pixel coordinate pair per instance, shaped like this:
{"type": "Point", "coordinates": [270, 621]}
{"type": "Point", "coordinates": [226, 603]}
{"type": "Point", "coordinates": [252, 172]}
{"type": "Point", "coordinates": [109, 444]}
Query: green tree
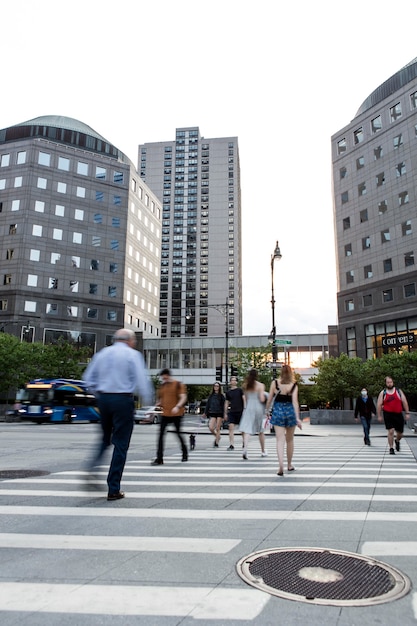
{"type": "Point", "coordinates": [338, 378]}
{"type": "Point", "coordinates": [254, 357]}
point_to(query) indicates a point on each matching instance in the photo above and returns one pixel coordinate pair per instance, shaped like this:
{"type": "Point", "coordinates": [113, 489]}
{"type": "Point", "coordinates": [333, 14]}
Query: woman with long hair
{"type": "Point", "coordinates": [214, 411]}
{"type": "Point", "coordinates": [283, 394]}
{"type": "Point", "coordinates": [253, 414]}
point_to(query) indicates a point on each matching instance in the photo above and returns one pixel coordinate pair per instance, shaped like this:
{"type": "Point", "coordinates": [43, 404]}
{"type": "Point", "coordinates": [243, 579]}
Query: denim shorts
{"type": "Point", "coordinates": [283, 414]}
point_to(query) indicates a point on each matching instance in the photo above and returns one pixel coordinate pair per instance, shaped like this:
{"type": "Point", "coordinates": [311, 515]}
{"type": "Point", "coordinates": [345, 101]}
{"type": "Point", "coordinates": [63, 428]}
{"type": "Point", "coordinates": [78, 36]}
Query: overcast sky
{"type": "Point", "coordinates": [282, 77]}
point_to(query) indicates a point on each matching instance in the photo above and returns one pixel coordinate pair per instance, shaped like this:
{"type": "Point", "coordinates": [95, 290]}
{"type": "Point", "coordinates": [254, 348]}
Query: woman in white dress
{"type": "Point", "coordinates": [254, 412]}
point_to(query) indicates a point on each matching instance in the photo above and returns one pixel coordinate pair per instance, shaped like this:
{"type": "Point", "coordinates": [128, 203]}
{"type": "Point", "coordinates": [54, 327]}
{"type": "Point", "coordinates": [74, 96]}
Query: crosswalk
{"type": "Point", "coordinates": [170, 548]}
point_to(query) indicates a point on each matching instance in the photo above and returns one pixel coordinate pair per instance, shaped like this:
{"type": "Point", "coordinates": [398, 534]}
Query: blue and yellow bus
{"type": "Point", "coordinates": [57, 400]}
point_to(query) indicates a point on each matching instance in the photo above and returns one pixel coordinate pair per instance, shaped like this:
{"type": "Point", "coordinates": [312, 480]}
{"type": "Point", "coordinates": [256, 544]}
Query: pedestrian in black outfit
{"type": "Point", "coordinates": [215, 412]}
{"type": "Point", "coordinates": [365, 409]}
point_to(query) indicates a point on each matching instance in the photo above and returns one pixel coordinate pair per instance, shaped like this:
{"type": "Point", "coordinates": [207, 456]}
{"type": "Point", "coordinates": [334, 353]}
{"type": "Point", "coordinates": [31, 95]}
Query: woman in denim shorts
{"type": "Point", "coordinates": [283, 395]}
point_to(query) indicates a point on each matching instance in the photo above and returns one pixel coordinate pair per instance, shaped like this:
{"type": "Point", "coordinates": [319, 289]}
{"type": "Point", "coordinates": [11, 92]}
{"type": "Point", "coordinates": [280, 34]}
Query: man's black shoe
{"type": "Point", "coordinates": [397, 445]}
{"type": "Point", "coordinates": [156, 462]}
{"type": "Point", "coordinates": [391, 451]}
{"type": "Point", "coordinates": [116, 496]}
{"type": "Point", "coordinates": [184, 458]}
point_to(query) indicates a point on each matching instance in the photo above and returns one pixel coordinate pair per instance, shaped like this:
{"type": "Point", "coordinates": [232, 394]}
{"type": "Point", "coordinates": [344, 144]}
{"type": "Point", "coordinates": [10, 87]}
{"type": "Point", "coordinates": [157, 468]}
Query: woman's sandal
{"type": "Point", "coordinates": [280, 473]}
{"type": "Point", "coordinates": [291, 469]}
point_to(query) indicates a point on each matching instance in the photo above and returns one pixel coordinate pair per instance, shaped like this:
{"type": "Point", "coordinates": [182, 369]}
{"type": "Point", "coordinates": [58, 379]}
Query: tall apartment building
{"type": "Point", "coordinates": [198, 183]}
{"type": "Point", "coordinates": [375, 216]}
{"type": "Point", "coordinates": [80, 236]}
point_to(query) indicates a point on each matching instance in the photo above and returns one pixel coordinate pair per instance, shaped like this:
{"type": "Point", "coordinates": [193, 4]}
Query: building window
{"type": "Point", "coordinates": [96, 241]}
{"type": "Point", "coordinates": [15, 205]}
{"type": "Point", "coordinates": [41, 183]}
{"type": "Point", "coordinates": [413, 100]}
{"type": "Point", "coordinates": [350, 277]}
{"type": "Point", "coordinates": [44, 159]}
{"type": "Point", "coordinates": [53, 283]}
{"type": "Point", "coordinates": [21, 158]}
{"type": "Point", "coordinates": [367, 300]}
{"type": "Point", "coordinates": [408, 259]}
{"type": "Point", "coordinates": [366, 242]}
{"type": "Point", "coordinates": [61, 187]}
{"type": "Point", "coordinates": [7, 279]}
{"type": "Point", "coordinates": [400, 170]}
{"type": "Point", "coordinates": [99, 196]}
{"type": "Point", "coordinates": [387, 265]}
{"type": "Point", "coordinates": [30, 306]}
{"type": "Point", "coordinates": [346, 223]}
{"type": "Point", "coordinates": [34, 255]}
{"type": "Point", "coordinates": [59, 210]}
{"type": "Point", "coordinates": [363, 216]}
{"type": "Point", "coordinates": [112, 316]}
{"type": "Point", "coordinates": [55, 257]}
{"type": "Point", "coordinates": [395, 112]}
{"type": "Point", "coordinates": [75, 261]}
{"type": "Point", "coordinates": [117, 200]}
{"type": "Point", "coordinates": [409, 290]}
{"type": "Point", "coordinates": [4, 160]}
{"type": "Point", "coordinates": [39, 206]}
{"type": "Point", "coordinates": [348, 249]}
{"type": "Point", "coordinates": [113, 268]}
{"type": "Point", "coordinates": [360, 162]}
{"type": "Point", "coordinates": [112, 292]}
{"type": "Point", "coordinates": [114, 244]}
{"type": "Point", "coordinates": [398, 141]}
{"type": "Point", "coordinates": [342, 173]}
{"type": "Point", "coordinates": [378, 153]}
{"type": "Point", "coordinates": [341, 146]}
{"type": "Point", "coordinates": [385, 235]}
{"type": "Point", "coordinates": [72, 311]}
{"type": "Point", "coordinates": [376, 124]}
{"type": "Point", "coordinates": [362, 189]}
{"type": "Point", "coordinates": [57, 234]}
{"type": "Point", "coordinates": [358, 136]}
{"type": "Point", "coordinates": [382, 207]}
{"type": "Point", "coordinates": [73, 285]}
{"type": "Point", "coordinates": [349, 305]}
{"type": "Point", "coordinates": [406, 228]}
{"type": "Point", "coordinates": [380, 179]}
{"type": "Point", "coordinates": [3, 305]}
{"type": "Point", "coordinates": [403, 198]}
{"type": "Point", "coordinates": [100, 173]}
{"type": "Point", "coordinates": [387, 295]}
{"type": "Point", "coordinates": [80, 192]}
{"type": "Point", "coordinates": [344, 197]}
{"type": "Point", "coordinates": [82, 168]}
{"type": "Point", "coordinates": [18, 181]}
{"type": "Point", "coordinates": [94, 264]}
{"type": "Point", "coordinates": [37, 230]}
{"type": "Point", "coordinates": [9, 254]}
{"type": "Point", "coordinates": [367, 271]}
{"type": "Point", "coordinates": [77, 238]}
{"type": "Point", "coordinates": [63, 164]}
{"type": "Point", "coordinates": [92, 313]}
{"type": "Point", "coordinates": [118, 177]}
{"type": "Point", "coordinates": [32, 280]}
{"type": "Point", "coordinates": [12, 229]}
{"type": "Point", "coordinates": [93, 289]}
{"type": "Point", "coordinates": [351, 342]}
{"type": "Point", "coordinates": [51, 309]}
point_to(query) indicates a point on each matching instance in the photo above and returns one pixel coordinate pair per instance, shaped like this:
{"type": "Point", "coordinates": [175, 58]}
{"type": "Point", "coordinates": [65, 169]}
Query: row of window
{"type": "Point", "coordinates": [63, 163]}
{"type": "Point", "coordinates": [387, 295]}
{"type": "Point", "coordinates": [64, 188]}
{"type": "Point", "coordinates": [387, 267]}
{"type": "Point", "coordinates": [385, 235]}
{"type": "Point", "coordinates": [58, 235]}
{"type": "Point", "coordinates": [395, 113]}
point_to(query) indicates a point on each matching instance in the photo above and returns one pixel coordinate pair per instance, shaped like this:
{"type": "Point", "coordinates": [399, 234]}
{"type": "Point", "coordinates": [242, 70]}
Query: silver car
{"type": "Point", "coordinates": [148, 415]}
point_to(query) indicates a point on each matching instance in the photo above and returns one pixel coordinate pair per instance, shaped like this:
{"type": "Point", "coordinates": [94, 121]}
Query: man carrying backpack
{"type": "Point", "coordinates": [390, 406]}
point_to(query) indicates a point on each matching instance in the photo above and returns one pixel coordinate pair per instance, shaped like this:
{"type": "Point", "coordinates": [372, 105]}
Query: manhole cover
{"type": "Point", "coordinates": [321, 576]}
{"type": "Point", "coordinates": [21, 473]}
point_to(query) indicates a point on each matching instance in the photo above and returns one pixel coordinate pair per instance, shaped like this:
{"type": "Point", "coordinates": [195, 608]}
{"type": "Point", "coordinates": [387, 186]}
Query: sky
{"type": "Point", "coordinates": [282, 77]}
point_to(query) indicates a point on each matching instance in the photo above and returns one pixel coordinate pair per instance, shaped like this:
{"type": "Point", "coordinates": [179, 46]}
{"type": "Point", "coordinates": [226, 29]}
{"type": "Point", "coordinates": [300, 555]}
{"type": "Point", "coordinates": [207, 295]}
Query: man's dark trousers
{"type": "Point", "coordinates": [164, 423]}
{"type": "Point", "coordinates": [117, 421]}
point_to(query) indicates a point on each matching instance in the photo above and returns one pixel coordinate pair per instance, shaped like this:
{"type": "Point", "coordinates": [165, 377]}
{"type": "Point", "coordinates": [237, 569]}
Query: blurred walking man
{"type": "Point", "coordinates": [390, 405]}
{"type": "Point", "coordinates": [115, 374]}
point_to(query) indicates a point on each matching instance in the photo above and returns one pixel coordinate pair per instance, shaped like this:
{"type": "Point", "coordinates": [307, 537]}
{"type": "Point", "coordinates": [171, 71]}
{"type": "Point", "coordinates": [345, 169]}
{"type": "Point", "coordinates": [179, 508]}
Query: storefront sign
{"type": "Point", "coordinates": [395, 341]}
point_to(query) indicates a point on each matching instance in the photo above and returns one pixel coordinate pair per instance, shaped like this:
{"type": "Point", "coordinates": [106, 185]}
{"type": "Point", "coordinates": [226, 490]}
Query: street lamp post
{"type": "Point", "coordinates": [276, 255]}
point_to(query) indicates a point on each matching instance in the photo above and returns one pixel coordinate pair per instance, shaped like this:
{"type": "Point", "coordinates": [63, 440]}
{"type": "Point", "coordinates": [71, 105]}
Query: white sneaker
{"type": "Point", "coordinates": [264, 453]}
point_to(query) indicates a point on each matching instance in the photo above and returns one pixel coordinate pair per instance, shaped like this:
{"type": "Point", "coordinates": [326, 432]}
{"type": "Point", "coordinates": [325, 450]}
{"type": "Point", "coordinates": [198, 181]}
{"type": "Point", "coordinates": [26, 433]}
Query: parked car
{"type": "Point", "coordinates": [148, 415]}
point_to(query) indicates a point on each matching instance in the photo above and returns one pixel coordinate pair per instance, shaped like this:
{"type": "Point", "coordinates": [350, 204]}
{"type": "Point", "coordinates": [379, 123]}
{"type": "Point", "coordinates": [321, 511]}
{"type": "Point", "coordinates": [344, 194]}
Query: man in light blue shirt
{"type": "Point", "coordinates": [115, 374]}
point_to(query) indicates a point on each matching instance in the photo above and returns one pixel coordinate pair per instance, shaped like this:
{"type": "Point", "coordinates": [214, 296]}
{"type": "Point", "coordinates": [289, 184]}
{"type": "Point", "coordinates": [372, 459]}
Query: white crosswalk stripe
{"type": "Point", "coordinates": [182, 511]}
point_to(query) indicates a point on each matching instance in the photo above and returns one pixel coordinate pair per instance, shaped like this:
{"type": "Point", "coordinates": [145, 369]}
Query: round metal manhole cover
{"type": "Point", "coordinates": [320, 576]}
{"type": "Point", "coordinates": [21, 473]}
